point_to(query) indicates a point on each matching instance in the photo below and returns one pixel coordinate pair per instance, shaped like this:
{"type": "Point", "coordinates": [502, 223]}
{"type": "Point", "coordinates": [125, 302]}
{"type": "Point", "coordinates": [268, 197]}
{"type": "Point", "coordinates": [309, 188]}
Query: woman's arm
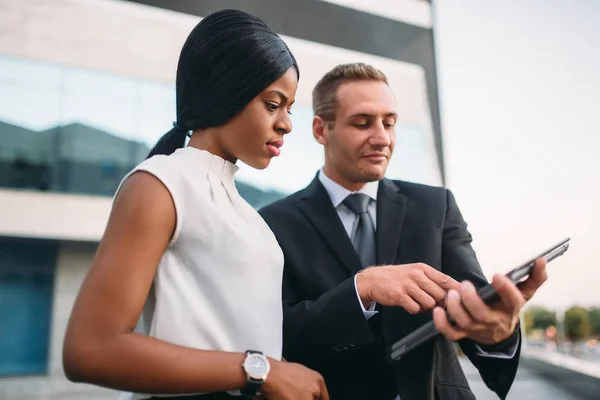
{"type": "Point", "coordinates": [100, 346]}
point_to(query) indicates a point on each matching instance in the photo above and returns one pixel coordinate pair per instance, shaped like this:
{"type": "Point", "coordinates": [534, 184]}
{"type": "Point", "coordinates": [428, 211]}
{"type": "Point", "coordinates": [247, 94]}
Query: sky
{"type": "Point", "coordinates": [520, 94]}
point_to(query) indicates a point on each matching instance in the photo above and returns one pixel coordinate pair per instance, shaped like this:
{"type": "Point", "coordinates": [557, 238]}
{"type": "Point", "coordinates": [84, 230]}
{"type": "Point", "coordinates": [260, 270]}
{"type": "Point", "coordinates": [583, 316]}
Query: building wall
{"type": "Point", "coordinates": [74, 261]}
{"type": "Point", "coordinates": [53, 215]}
{"type": "Point", "coordinates": [110, 104]}
{"type": "Point", "coordinates": [101, 73]}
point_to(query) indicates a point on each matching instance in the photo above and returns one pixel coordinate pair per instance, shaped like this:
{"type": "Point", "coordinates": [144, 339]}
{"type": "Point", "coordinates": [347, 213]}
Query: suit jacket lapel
{"type": "Point", "coordinates": [391, 205]}
{"type": "Point", "coordinates": [317, 207]}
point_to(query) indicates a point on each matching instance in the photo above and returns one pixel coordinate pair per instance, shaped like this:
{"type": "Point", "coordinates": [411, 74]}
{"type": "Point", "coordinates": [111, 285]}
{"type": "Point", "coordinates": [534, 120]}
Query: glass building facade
{"type": "Point", "coordinates": [73, 130]}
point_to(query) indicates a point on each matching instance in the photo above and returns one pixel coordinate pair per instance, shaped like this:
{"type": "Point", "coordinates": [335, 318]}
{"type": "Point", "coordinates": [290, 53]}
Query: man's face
{"type": "Point", "coordinates": [359, 144]}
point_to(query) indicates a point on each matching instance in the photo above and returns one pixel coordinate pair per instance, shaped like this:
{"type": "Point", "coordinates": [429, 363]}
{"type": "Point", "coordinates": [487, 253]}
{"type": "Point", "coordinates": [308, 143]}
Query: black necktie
{"type": "Point", "coordinates": [363, 235]}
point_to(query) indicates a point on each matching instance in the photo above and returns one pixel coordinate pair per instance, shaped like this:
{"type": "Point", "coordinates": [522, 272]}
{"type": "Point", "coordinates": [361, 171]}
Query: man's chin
{"type": "Point", "coordinates": [372, 176]}
{"type": "Point", "coordinates": [375, 172]}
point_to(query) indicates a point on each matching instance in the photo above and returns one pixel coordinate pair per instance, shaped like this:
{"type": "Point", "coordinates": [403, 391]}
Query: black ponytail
{"type": "Point", "coordinates": [170, 141]}
{"type": "Point", "coordinates": [227, 60]}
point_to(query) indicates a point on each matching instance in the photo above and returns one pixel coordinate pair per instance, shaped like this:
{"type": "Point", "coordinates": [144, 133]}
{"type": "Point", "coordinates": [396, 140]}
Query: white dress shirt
{"type": "Point", "coordinates": [338, 194]}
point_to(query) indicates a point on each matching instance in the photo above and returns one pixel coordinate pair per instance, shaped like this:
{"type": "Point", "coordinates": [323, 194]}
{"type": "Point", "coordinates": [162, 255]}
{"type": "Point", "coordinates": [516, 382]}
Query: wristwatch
{"type": "Point", "coordinates": [256, 365]}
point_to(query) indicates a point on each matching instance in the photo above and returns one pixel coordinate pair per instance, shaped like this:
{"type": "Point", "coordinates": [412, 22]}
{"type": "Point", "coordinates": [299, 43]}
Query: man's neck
{"type": "Point", "coordinates": [345, 183]}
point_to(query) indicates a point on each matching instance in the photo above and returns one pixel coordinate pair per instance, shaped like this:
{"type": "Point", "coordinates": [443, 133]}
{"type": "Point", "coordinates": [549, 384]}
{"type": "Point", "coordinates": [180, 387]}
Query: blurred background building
{"type": "Point", "coordinates": [87, 87]}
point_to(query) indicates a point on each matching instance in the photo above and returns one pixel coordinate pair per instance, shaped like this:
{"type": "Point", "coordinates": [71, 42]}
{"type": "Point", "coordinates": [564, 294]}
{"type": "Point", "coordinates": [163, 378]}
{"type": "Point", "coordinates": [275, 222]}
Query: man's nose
{"type": "Point", "coordinates": [380, 136]}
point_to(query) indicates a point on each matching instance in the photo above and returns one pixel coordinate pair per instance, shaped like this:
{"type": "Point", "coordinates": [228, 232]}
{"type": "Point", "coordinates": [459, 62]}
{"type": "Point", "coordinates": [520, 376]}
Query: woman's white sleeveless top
{"type": "Point", "coordinates": [218, 284]}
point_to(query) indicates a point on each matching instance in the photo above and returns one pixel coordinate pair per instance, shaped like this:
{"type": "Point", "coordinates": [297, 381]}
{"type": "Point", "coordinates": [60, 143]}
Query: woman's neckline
{"type": "Point", "coordinates": [218, 166]}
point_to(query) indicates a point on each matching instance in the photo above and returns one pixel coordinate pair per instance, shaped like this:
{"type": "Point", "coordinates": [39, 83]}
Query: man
{"type": "Point", "coordinates": [340, 315]}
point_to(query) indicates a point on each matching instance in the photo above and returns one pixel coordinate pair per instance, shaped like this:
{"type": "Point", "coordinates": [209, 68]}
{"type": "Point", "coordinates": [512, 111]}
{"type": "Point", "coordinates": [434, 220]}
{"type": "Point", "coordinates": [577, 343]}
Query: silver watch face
{"type": "Point", "coordinates": [256, 366]}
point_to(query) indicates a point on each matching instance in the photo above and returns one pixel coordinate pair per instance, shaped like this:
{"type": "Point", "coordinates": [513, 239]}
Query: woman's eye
{"type": "Point", "coordinates": [272, 106]}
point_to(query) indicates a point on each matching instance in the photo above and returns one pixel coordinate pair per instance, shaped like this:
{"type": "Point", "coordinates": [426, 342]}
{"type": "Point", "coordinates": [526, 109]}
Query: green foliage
{"type": "Point", "coordinates": [594, 314]}
{"type": "Point", "coordinates": [577, 323]}
{"type": "Point", "coordinates": [539, 318]}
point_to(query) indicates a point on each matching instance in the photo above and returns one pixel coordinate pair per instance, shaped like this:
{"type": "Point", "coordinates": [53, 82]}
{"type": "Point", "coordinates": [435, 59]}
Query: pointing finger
{"type": "Point", "coordinates": [444, 281]}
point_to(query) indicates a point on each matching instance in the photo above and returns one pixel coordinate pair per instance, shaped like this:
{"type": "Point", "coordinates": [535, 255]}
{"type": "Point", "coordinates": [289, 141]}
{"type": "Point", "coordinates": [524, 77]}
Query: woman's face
{"type": "Point", "coordinates": [256, 134]}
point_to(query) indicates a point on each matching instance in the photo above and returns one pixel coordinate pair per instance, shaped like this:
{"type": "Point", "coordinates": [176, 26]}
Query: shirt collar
{"type": "Point", "coordinates": [338, 193]}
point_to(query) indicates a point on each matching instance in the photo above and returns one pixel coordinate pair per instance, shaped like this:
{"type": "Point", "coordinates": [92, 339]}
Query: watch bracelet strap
{"type": "Point", "coordinates": [253, 385]}
{"type": "Point", "coordinates": [252, 388]}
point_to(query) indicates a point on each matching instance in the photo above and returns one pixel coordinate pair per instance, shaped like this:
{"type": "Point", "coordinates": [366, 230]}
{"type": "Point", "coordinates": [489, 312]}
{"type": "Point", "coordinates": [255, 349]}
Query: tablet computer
{"type": "Point", "coordinates": [487, 293]}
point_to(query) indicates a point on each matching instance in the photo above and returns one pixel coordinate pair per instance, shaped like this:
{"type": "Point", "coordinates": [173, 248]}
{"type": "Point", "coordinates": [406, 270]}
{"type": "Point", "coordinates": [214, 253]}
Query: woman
{"type": "Point", "coordinates": [184, 294]}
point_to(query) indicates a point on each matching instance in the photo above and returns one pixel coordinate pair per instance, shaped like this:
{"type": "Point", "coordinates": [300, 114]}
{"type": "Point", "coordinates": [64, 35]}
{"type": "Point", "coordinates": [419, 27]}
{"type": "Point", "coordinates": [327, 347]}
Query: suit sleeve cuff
{"type": "Point", "coordinates": [370, 310]}
{"type": "Point", "coordinates": [505, 353]}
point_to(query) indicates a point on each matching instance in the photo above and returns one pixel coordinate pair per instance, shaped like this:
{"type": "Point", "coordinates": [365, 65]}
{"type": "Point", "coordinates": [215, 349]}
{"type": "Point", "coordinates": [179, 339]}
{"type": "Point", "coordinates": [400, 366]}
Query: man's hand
{"type": "Point", "coordinates": [415, 287]}
{"type": "Point", "coordinates": [488, 324]}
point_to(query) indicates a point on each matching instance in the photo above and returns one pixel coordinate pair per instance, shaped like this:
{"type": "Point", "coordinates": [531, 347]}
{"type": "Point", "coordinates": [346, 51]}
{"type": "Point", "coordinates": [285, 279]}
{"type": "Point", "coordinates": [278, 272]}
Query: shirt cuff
{"type": "Point", "coordinates": [506, 353]}
{"type": "Point", "coordinates": [369, 311]}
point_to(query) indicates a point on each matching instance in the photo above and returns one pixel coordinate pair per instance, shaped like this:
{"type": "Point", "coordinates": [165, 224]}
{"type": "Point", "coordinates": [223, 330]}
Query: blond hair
{"type": "Point", "coordinates": [324, 95]}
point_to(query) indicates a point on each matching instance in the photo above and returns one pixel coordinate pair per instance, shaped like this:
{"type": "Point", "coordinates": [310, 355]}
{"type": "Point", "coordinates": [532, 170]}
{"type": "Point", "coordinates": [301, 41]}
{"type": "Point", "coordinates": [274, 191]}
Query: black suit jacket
{"type": "Point", "coordinates": [324, 326]}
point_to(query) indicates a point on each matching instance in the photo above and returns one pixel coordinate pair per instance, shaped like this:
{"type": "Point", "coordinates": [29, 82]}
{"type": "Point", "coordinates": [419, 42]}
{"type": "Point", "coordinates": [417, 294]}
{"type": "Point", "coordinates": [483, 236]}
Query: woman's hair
{"type": "Point", "coordinates": [227, 60]}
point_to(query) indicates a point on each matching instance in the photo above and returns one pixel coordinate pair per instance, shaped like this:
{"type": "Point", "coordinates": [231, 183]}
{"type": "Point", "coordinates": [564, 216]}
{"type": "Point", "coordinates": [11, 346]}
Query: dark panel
{"type": "Point", "coordinates": [334, 25]}
{"type": "Point", "coordinates": [26, 291]}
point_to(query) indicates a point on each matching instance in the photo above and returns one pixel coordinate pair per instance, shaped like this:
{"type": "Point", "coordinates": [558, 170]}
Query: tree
{"type": "Point", "coordinates": [539, 318]}
{"type": "Point", "coordinates": [577, 323]}
{"type": "Point", "coordinates": [594, 314]}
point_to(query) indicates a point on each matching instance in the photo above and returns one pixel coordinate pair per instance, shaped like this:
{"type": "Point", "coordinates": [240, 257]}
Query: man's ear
{"type": "Point", "coordinates": [320, 127]}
